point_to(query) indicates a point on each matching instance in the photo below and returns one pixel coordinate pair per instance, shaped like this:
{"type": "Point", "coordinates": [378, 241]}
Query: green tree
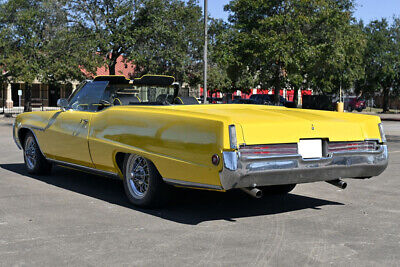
{"type": "Point", "coordinates": [219, 56]}
{"type": "Point", "coordinates": [297, 42]}
{"type": "Point", "coordinates": [110, 24]}
{"type": "Point", "coordinates": [337, 46]}
{"type": "Point", "coordinates": [382, 58]}
{"type": "Point", "coordinates": [37, 44]}
{"type": "Point", "coordinates": [168, 39]}
{"type": "Point", "coordinates": [226, 72]}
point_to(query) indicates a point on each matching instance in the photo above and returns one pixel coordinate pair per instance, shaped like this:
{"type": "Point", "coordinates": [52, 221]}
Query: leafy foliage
{"type": "Point", "coordinates": [168, 39]}
{"type": "Point", "coordinates": [276, 44]}
{"type": "Point", "coordinates": [38, 44]}
{"type": "Point", "coordinates": [382, 59]}
{"type": "Point", "coordinates": [298, 41]}
{"type": "Point", "coordinates": [226, 72]}
{"type": "Point", "coordinates": [109, 24]}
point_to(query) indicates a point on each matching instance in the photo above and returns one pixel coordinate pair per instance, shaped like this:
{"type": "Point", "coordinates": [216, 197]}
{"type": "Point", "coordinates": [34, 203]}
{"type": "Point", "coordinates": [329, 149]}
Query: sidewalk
{"type": "Point", "coordinates": [385, 117]}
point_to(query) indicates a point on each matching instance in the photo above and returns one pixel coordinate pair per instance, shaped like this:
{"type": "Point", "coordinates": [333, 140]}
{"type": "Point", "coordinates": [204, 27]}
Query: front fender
{"type": "Point", "coordinates": [36, 122]}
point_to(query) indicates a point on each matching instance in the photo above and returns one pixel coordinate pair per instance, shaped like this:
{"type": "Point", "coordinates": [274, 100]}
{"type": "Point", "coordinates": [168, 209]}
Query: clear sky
{"type": "Point", "coordinates": [366, 9]}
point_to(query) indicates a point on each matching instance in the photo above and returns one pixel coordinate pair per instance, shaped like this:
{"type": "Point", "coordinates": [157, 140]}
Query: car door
{"type": "Point", "coordinates": [68, 130]}
{"type": "Point", "coordinates": [67, 137]}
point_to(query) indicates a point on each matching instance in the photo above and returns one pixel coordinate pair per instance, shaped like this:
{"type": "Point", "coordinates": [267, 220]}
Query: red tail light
{"type": "Point", "coordinates": [367, 146]}
{"type": "Point", "coordinates": [274, 149]}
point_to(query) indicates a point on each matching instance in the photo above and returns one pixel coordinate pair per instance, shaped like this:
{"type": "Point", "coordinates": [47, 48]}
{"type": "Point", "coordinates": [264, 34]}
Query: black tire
{"type": "Point", "coordinates": [35, 162]}
{"type": "Point", "coordinates": [277, 189]}
{"type": "Point", "coordinates": [156, 192]}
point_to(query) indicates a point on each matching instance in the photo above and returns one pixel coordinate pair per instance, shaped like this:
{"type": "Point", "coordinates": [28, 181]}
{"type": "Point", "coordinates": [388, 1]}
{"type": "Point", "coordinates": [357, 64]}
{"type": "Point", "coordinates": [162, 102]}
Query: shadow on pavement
{"type": "Point", "coordinates": [187, 207]}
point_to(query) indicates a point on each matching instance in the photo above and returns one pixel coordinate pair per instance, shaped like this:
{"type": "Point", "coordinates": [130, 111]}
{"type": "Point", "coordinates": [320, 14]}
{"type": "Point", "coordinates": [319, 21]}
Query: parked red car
{"type": "Point", "coordinates": [354, 103]}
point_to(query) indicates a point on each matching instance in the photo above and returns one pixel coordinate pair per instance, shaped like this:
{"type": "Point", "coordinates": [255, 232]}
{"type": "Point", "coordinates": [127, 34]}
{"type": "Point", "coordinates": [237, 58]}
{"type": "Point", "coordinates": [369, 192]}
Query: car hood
{"type": "Point", "coordinates": [260, 124]}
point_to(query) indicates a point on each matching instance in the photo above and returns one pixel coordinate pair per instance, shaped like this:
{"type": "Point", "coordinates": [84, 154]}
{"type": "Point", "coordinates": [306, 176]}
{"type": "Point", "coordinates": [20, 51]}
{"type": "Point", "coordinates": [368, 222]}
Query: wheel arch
{"type": "Point", "coordinates": [119, 159]}
{"type": "Point", "coordinates": [23, 132]}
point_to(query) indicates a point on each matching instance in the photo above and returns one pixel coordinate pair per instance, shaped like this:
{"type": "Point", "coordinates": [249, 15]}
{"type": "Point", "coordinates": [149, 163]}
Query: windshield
{"type": "Point", "coordinates": [88, 97]}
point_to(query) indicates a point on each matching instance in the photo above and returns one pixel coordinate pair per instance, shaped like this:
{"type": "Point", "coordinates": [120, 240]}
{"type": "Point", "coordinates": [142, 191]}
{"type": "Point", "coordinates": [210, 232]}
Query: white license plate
{"type": "Point", "coordinates": [310, 148]}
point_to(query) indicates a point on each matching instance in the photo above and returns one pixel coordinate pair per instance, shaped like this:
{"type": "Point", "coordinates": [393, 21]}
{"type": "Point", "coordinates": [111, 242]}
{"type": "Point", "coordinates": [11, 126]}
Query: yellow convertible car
{"type": "Point", "coordinates": [132, 130]}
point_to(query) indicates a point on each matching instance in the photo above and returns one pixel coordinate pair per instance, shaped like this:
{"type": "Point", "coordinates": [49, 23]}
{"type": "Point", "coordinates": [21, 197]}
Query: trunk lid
{"type": "Point", "coordinates": [269, 124]}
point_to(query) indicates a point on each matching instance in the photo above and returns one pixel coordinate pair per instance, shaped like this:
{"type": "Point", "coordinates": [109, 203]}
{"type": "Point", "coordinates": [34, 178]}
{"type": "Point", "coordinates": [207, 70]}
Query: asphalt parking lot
{"type": "Point", "coordinates": [73, 218]}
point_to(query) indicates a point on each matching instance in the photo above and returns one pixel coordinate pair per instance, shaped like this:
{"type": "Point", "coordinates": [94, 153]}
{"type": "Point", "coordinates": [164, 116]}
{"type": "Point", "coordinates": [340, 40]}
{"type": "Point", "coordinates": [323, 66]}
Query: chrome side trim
{"type": "Point", "coordinates": [16, 140]}
{"type": "Point", "coordinates": [232, 137]}
{"type": "Point", "coordinates": [32, 127]}
{"type": "Point", "coordinates": [36, 139]}
{"type": "Point", "coordinates": [230, 159]}
{"type": "Point", "coordinates": [382, 132]}
{"type": "Point", "coordinates": [191, 184]}
{"type": "Point", "coordinates": [84, 168]}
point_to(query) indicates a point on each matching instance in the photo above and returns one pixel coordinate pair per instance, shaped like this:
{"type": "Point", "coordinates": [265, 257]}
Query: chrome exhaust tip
{"type": "Point", "coordinates": [254, 192]}
{"type": "Point", "coordinates": [338, 183]}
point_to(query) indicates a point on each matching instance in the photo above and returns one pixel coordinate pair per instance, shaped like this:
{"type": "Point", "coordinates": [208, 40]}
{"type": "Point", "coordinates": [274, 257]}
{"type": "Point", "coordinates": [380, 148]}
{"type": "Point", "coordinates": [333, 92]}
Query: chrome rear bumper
{"type": "Point", "coordinates": [250, 171]}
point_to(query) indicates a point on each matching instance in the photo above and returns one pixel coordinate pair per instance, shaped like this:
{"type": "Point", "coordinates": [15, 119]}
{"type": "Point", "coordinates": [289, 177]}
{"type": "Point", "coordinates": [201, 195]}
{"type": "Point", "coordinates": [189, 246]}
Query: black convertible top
{"type": "Point", "coordinates": [154, 80]}
{"type": "Point", "coordinates": [112, 79]}
{"type": "Point", "coordinates": [147, 79]}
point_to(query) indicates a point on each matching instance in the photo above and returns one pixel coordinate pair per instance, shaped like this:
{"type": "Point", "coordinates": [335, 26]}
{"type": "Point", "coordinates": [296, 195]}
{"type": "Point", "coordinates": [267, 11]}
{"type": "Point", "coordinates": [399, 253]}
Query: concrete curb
{"type": "Point", "coordinates": [390, 119]}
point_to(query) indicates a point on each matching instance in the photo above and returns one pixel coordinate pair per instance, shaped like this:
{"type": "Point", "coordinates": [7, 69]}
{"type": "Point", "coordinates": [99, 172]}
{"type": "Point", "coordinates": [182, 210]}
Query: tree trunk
{"type": "Point", "coordinates": [277, 90]}
{"type": "Point", "coordinates": [111, 67]}
{"type": "Point", "coordinates": [4, 96]}
{"type": "Point", "coordinates": [385, 105]}
{"type": "Point", "coordinates": [27, 98]}
{"type": "Point", "coordinates": [296, 97]}
{"type": "Point", "coordinates": [278, 84]}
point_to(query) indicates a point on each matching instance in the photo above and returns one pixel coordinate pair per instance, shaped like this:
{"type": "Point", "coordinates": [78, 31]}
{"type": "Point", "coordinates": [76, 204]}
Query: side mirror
{"type": "Point", "coordinates": [62, 103]}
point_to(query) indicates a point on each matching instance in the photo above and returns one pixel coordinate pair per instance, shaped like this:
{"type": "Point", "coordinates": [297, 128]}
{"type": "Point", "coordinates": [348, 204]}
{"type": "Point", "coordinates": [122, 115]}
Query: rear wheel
{"type": "Point", "coordinates": [35, 162]}
{"type": "Point", "coordinates": [143, 184]}
{"type": "Point", "coordinates": [277, 189]}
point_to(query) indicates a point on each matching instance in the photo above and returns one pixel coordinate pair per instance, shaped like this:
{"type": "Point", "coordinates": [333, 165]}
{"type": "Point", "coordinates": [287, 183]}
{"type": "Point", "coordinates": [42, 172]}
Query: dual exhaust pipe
{"type": "Point", "coordinates": [254, 192]}
{"type": "Point", "coordinates": [338, 183]}
{"type": "Point", "coordinates": [257, 193]}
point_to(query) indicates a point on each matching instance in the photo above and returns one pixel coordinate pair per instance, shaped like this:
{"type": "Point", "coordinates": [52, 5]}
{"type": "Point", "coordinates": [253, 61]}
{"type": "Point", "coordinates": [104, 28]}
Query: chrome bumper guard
{"type": "Point", "coordinates": [258, 170]}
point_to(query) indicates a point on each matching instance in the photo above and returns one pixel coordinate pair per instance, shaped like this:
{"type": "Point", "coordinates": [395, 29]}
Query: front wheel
{"type": "Point", "coordinates": [35, 162]}
{"type": "Point", "coordinates": [143, 184]}
{"type": "Point", "coordinates": [277, 189]}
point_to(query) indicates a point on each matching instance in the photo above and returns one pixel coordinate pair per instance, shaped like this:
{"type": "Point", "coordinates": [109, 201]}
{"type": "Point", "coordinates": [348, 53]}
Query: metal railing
{"type": "Point", "coordinates": [39, 101]}
{"type": "Point", "coordinates": [17, 110]}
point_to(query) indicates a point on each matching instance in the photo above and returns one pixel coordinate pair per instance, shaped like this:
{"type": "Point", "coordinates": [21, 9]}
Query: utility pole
{"type": "Point", "coordinates": [205, 93]}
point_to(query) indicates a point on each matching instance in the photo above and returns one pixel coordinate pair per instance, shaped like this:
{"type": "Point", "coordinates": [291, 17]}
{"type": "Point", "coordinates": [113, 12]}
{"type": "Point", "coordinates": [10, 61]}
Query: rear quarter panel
{"type": "Point", "coordinates": [180, 145]}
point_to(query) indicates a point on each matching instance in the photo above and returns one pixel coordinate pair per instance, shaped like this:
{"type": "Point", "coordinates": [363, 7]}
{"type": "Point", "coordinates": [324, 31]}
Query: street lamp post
{"type": "Point", "coordinates": [205, 93]}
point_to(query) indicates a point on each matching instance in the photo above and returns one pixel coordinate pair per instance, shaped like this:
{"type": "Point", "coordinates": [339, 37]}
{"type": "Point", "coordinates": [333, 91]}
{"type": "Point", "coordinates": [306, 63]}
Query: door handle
{"type": "Point", "coordinates": [84, 121]}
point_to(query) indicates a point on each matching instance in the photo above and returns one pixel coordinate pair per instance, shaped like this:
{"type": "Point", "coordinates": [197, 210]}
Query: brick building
{"type": "Point", "coordinates": [47, 95]}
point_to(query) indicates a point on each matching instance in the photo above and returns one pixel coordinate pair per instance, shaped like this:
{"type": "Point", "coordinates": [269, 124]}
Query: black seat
{"type": "Point", "coordinates": [126, 99]}
{"type": "Point", "coordinates": [186, 100]}
{"type": "Point", "coordinates": [165, 99]}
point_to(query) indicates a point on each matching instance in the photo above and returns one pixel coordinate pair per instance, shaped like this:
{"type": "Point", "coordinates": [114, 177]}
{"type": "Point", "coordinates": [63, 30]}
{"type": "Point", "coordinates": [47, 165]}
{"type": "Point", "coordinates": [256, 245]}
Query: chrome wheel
{"type": "Point", "coordinates": [30, 153]}
{"type": "Point", "coordinates": [138, 175]}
